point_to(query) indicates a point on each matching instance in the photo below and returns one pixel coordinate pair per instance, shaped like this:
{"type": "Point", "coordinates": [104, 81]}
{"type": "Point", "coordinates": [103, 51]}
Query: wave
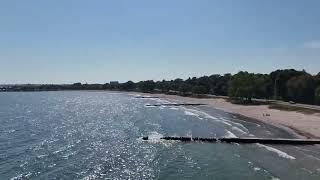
{"type": "Point", "coordinates": [190, 113]}
{"type": "Point", "coordinates": [274, 178]}
{"type": "Point", "coordinates": [238, 129]}
{"type": "Point", "coordinates": [234, 125]}
{"type": "Point", "coordinates": [155, 138]}
{"type": "Point", "coordinates": [229, 135]}
{"type": "Point", "coordinates": [256, 169]}
{"type": "Point", "coordinates": [280, 153]}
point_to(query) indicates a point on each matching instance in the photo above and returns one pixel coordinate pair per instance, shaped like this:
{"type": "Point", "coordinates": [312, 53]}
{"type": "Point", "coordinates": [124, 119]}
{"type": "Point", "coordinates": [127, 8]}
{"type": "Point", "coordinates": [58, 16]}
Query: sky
{"type": "Point", "coordinates": [96, 41]}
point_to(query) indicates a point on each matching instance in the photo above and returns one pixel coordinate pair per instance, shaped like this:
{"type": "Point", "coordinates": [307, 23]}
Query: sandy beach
{"type": "Point", "coordinates": [302, 125]}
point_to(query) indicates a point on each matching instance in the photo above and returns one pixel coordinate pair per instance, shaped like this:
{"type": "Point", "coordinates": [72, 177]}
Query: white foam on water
{"type": "Point", "coordinates": [234, 125]}
{"type": "Point", "coordinates": [237, 124]}
{"type": "Point", "coordinates": [200, 113]}
{"type": "Point", "coordinates": [137, 95]}
{"type": "Point", "coordinates": [161, 100]}
{"type": "Point", "coordinates": [210, 117]}
{"type": "Point", "coordinates": [190, 113]}
{"type": "Point", "coordinates": [237, 155]}
{"type": "Point", "coordinates": [41, 156]}
{"type": "Point", "coordinates": [238, 129]}
{"type": "Point", "coordinates": [155, 138]}
{"type": "Point", "coordinates": [154, 124]}
{"type": "Point", "coordinates": [229, 135]}
{"type": "Point", "coordinates": [174, 108]}
{"type": "Point", "coordinates": [11, 131]}
{"type": "Point", "coordinates": [280, 153]}
{"type": "Point", "coordinates": [256, 168]}
{"type": "Point", "coordinates": [274, 178]}
{"type": "Point", "coordinates": [189, 134]}
{"type": "Point", "coordinates": [149, 106]}
{"type": "Point", "coordinates": [52, 165]}
{"type": "Point", "coordinates": [226, 123]}
{"type": "Point", "coordinates": [230, 123]}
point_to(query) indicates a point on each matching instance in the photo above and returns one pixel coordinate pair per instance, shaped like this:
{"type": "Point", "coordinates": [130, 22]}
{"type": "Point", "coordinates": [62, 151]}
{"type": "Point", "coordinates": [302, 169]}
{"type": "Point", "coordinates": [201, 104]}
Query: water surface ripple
{"type": "Point", "coordinates": [97, 135]}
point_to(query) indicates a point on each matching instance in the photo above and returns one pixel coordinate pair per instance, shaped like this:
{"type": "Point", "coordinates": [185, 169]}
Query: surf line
{"type": "Point", "coordinates": [243, 140]}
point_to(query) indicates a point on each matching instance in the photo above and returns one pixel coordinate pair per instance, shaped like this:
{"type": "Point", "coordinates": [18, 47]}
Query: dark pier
{"type": "Point", "coordinates": [244, 140]}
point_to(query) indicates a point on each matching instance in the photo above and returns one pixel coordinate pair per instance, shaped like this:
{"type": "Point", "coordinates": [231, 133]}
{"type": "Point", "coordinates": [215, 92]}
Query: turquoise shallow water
{"type": "Point", "coordinates": [97, 135]}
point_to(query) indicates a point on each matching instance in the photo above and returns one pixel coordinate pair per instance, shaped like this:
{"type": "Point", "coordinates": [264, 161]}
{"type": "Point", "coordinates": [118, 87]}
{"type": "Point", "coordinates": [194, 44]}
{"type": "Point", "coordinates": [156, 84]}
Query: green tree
{"type": "Point", "coordinates": [199, 89]}
{"type": "Point", "coordinates": [301, 89]}
{"type": "Point", "coordinates": [185, 88]}
{"type": "Point", "coordinates": [129, 86]}
{"type": "Point", "coordinates": [241, 86]}
{"type": "Point", "coordinates": [317, 95]}
{"type": "Point", "coordinates": [147, 86]}
{"type": "Point", "coordinates": [262, 86]}
{"type": "Point", "coordinates": [279, 81]}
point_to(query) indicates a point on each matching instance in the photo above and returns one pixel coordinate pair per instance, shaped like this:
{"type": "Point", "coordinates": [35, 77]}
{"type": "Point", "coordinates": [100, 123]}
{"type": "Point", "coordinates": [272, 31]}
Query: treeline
{"type": "Point", "coordinates": [287, 85]}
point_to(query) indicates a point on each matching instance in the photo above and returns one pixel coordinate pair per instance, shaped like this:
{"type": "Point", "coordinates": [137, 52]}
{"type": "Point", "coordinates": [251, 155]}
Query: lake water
{"type": "Point", "coordinates": [97, 135]}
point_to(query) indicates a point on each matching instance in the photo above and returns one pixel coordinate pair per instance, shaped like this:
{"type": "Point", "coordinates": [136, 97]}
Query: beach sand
{"type": "Point", "coordinates": [302, 125]}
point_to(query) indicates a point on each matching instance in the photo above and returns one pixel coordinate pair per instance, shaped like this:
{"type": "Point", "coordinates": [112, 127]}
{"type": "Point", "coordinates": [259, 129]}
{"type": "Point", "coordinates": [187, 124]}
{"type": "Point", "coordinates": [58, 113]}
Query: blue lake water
{"type": "Point", "coordinates": [97, 135]}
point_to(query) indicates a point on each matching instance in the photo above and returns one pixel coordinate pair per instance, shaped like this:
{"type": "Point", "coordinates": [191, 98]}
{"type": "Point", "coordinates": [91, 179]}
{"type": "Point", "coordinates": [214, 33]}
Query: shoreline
{"type": "Point", "coordinates": [305, 126]}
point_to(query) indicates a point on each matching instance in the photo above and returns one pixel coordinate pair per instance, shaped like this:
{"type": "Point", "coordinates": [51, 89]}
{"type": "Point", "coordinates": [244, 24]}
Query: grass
{"type": "Point", "coordinates": [293, 108]}
{"type": "Point", "coordinates": [245, 103]}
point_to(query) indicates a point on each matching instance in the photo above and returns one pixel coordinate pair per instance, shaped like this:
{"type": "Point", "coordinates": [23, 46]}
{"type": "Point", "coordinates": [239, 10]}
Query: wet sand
{"type": "Point", "coordinates": [302, 125]}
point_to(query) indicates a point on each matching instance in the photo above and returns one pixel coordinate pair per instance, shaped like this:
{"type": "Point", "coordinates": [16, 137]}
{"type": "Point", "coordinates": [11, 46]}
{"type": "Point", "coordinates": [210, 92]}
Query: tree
{"type": "Point", "coordinates": [301, 89]}
{"type": "Point", "coordinates": [147, 86]}
{"type": "Point", "coordinates": [129, 85]}
{"type": "Point", "coordinates": [199, 89]}
{"type": "Point", "coordinates": [241, 86]}
{"type": "Point", "coordinates": [185, 88]}
{"type": "Point", "coordinates": [279, 80]}
{"type": "Point", "coordinates": [317, 95]}
{"type": "Point", "coordinates": [262, 86]}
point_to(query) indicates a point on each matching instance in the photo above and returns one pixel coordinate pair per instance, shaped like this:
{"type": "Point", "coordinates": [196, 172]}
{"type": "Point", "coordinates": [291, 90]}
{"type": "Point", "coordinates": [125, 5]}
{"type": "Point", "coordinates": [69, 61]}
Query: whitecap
{"type": "Point", "coordinates": [229, 135]}
{"type": "Point", "coordinates": [155, 137]}
{"type": "Point", "coordinates": [280, 153]}
{"type": "Point", "coordinates": [200, 113]}
{"type": "Point", "coordinates": [238, 129]}
{"type": "Point", "coordinates": [256, 168]}
{"type": "Point", "coordinates": [190, 113]}
{"type": "Point", "coordinates": [41, 156]}
{"type": "Point", "coordinates": [275, 178]}
{"type": "Point", "coordinates": [11, 131]}
{"type": "Point", "coordinates": [52, 165]}
{"type": "Point", "coordinates": [228, 124]}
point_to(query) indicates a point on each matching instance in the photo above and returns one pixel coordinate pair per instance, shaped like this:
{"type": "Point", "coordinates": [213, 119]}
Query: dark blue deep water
{"type": "Point", "coordinates": [97, 135]}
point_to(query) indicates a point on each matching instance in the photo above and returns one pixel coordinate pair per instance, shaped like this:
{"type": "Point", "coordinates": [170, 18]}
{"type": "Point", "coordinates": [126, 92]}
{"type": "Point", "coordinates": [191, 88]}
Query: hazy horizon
{"type": "Point", "coordinates": [58, 42]}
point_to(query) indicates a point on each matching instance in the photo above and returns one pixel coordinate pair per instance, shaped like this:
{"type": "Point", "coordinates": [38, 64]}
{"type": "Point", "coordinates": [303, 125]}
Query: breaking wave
{"type": "Point", "coordinates": [280, 153]}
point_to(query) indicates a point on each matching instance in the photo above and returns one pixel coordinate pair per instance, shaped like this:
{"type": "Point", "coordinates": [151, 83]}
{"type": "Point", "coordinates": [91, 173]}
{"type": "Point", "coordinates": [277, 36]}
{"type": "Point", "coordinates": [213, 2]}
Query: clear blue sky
{"type": "Point", "coordinates": [65, 41]}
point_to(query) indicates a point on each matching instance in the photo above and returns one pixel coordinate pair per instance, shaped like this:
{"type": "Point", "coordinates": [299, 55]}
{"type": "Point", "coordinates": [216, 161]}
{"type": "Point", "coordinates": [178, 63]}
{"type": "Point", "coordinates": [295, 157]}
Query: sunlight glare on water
{"type": "Point", "coordinates": [97, 135]}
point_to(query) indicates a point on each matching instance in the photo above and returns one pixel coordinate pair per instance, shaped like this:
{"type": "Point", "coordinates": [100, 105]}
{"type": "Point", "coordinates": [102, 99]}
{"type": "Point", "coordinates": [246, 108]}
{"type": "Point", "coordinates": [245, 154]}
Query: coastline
{"type": "Point", "coordinates": [305, 126]}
